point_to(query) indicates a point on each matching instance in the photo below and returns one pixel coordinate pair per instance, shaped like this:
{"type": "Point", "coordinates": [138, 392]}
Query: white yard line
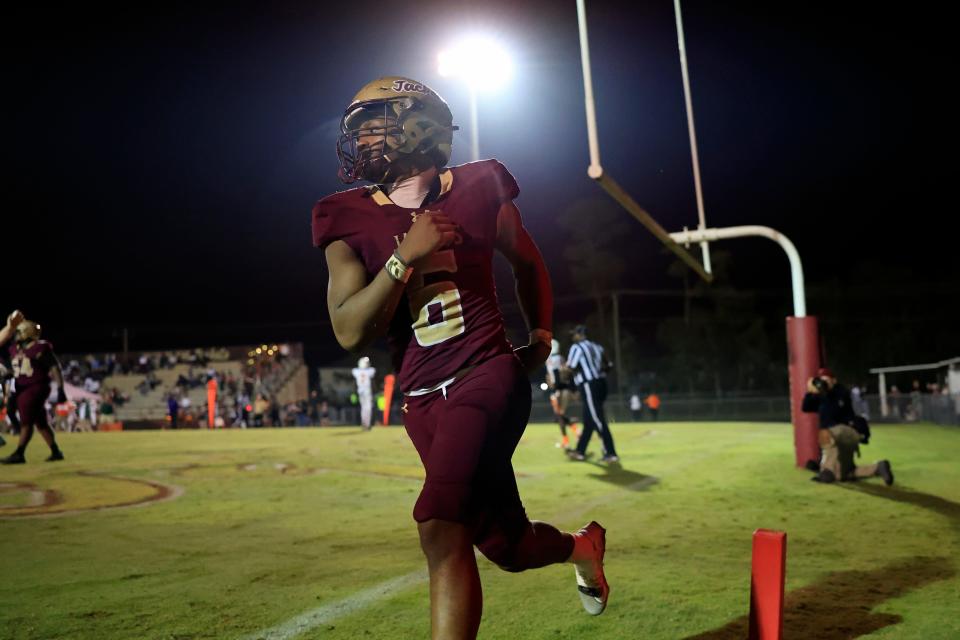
{"type": "Point", "coordinates": [331, 611]}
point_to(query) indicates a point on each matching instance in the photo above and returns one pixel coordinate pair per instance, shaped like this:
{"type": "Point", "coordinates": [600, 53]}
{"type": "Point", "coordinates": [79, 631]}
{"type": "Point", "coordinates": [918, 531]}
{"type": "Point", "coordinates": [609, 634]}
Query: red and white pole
{"type": "Point", "coordinates": [803, 359]}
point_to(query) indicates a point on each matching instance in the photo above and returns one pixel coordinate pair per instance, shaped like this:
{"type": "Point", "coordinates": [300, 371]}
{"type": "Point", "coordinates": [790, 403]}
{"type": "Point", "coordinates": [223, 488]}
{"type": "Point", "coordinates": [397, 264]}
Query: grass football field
{"type": "Point", "coordinates": [307, 533]}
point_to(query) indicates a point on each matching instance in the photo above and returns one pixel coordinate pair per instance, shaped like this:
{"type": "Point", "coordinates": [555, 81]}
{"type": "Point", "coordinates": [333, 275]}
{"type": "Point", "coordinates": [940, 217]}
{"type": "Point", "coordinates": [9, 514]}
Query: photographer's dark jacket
{"type": "Point", "coordinates": [834, 406]}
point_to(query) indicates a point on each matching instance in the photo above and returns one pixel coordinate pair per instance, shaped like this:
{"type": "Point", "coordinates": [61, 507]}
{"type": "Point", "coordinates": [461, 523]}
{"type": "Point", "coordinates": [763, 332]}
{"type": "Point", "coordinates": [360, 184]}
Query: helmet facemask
{"type": "Point", "coordinates": [385, 140]}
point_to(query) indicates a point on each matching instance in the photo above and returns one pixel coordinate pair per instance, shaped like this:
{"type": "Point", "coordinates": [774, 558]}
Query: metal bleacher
{"type": "Point", "coordinates": [153, 404]}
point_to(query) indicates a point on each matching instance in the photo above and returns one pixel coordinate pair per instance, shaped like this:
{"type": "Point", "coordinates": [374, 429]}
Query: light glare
{"type": "Point", "coordinates": [483, 63]}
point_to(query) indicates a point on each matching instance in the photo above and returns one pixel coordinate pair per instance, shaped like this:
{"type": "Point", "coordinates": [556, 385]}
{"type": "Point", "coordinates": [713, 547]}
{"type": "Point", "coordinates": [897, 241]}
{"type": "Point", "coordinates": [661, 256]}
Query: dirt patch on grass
{"type": "Point", "coordinates": [162, 492]}
{"type": "Point", "coordinates": [38, 497]}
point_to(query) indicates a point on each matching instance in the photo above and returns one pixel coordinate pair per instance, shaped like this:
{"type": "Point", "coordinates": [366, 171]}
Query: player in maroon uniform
{"type": "Point", "coordinates": [33, 363]}
{"type": "Point", "coordinates": [410, 257]}
{"type": "Point", "coordinates": [5, 377]}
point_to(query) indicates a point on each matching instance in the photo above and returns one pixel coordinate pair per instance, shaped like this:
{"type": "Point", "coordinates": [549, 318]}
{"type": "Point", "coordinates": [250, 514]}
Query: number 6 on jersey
{"type": "Point", "coordinates": [441, 300]}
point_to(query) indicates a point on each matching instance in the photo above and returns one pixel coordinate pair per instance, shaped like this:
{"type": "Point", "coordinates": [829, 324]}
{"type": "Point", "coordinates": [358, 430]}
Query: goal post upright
{"type": "Point", "coordinates": [803, 339]}
{"type": "Point", "coordinates": [595, 170]}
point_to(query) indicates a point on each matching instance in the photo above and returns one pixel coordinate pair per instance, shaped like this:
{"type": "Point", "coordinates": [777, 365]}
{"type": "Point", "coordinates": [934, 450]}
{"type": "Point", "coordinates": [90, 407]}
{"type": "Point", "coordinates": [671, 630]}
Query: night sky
{"type": "Point", "coordinates": [163, 159]}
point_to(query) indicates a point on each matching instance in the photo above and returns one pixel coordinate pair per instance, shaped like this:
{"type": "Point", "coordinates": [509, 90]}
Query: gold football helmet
{"type": "Point", "coordinates": [391, 122]}
{"type": "Point", "coordinates": [28, 331]}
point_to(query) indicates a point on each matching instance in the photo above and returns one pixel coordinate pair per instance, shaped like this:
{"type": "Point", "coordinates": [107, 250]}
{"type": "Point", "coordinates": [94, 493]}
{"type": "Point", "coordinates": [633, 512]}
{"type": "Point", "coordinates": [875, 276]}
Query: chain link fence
{"type": "Point", "coordinates": [681, 408]}
{"type": "Point", "coordinates": [937, 408]}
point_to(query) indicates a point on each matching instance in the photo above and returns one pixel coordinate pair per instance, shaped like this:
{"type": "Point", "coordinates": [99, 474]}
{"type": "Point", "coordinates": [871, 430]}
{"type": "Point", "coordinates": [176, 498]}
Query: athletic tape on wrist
{"type": "Point", "coordinates": [397, 270]}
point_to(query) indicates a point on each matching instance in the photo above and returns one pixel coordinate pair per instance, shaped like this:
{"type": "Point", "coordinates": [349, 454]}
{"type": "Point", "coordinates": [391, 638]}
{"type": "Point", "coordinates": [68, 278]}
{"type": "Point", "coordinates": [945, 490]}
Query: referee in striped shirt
{"type": "Point", "coordinates": [590, 365]}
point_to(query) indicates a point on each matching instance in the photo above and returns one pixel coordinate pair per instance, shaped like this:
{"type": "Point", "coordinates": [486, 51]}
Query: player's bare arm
{"type": "Point", "coordinates": [56, 372]}
{"type": "Point", "coordinates": [361, 311]}
{"type": "Point", "coordinates": [534, 291]}
{"type": "Point", "coordinates": [8, 330]}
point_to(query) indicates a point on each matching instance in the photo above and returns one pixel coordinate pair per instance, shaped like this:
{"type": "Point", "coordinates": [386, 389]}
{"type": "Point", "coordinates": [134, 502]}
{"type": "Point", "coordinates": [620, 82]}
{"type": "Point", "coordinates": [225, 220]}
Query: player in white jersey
{"type": "Point", "coordinates": [559, 380]}
{"type": "Point", "coordinates": [363, 373]}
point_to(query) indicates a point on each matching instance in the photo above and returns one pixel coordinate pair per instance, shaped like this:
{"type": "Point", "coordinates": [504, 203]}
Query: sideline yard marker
{"type": "Point", "coordinates": [767, 574]}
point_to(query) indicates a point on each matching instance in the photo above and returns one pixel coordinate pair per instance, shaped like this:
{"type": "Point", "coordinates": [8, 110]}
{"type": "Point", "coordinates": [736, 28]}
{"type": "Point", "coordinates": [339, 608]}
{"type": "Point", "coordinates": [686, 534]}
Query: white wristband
{"type": "Point", "coordinates": [397, 269]}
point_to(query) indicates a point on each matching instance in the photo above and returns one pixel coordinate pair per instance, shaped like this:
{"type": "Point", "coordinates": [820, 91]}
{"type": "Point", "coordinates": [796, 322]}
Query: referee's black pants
{"type": "Point", "coordinates": [593, 394]}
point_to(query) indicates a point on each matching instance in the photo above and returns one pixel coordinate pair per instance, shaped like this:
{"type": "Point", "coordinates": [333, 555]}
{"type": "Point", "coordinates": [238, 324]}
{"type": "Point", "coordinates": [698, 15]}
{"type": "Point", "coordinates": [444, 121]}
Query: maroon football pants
{"type": "Point", "coordinates": [30, 405]}
{"type": "Point", "coordinates": [466, 441]}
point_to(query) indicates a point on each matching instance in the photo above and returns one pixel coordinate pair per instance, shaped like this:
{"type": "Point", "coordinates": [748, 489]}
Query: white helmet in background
{"type": "Point", "coordinates": [554, 347]}
{"type": "Point", "coordinates": [363, 362]}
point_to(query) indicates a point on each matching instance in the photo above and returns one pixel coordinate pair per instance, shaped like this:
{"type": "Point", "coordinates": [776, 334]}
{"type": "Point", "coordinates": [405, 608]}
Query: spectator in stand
{"type": "Point", "coordinates": [653, 403]}
{"type": "Point", "coordinates": [119, 398]}
{"type": "Point", "coordinates": [275, 420]}
{"type": "Point", "coordinates": [94, 406]}
{"type": "Point", "coordinates": [290, 415]}
{"type": "Point", "coordinates": [915, 408]}
{"type": "Point", "coordinates": [173, 410]}
{"type": "Point", "coordinates": [324, 414]}
{"type": "Point", "coordinates": [896, 402]}
{"type": "Point", "coordinates": [63, 416]}
{"type": "Point", "coordinates": [314, 402]}
{"type": "Point", "coordinates": [859, 402]}
{"type": "Point", "coordinates": [110, 364]}
{"type": "Point", "coordinates": [303, 413]}
{"type": "Point", "coordinates": [83, 416]}
{"type": "Point", "coordinates": [243, 409]}
{"type": "Point", "coordinates": [91, 385]}
{"type": "Point", "coordinates": [260, 406]}
{"type": "Point", "coordinates": [106, 412]}
{"type": "Point", "coordinates": [186, 405]}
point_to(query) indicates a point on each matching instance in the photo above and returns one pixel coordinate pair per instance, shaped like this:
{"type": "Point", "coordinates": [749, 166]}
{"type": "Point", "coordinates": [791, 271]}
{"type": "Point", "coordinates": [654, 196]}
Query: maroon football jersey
{"type": "Point", "coordinates": [449, 318]}
{"type": "Point", "coordinates": [32, 365]}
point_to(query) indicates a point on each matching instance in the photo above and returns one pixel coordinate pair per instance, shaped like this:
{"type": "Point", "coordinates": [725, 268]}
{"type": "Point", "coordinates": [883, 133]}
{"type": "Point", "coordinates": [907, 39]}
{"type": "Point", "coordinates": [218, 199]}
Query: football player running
{"type": "Point", "coordinates": [560, 383]}
{"type": "Point", "coordinates": [34, 364]}
{"type": "Point", "coordinates": [410, 257]}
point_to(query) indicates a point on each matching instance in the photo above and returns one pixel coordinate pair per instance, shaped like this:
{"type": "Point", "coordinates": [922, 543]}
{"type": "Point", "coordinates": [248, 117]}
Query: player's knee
{"type": "Point", "coordinates": [440, 539]}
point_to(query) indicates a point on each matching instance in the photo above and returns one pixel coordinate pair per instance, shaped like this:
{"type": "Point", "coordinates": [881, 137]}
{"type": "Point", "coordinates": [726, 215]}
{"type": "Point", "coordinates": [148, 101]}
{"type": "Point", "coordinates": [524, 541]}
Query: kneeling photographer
{"type": "Point", "coordinates": [841, 431]}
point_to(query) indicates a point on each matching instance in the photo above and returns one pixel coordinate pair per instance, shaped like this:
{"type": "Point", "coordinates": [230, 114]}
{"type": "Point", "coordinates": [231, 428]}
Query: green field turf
{"type": "Point", "coordinates": [309, 530]}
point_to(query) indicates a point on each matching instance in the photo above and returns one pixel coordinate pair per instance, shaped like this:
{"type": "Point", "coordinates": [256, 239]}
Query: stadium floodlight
{"type": "Point", "coordinates": [481, 62]}
{"type": "Point", "coordinates": [484, 65]}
